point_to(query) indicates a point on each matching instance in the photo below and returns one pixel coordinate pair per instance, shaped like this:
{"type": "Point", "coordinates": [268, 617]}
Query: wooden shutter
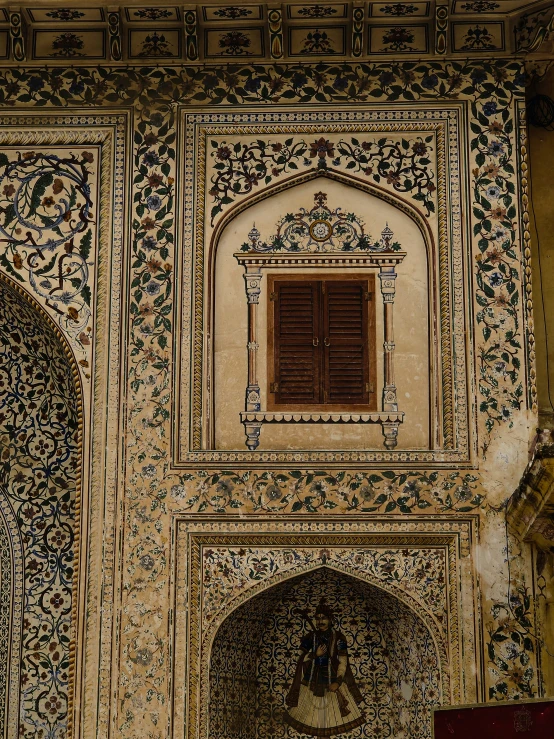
{"type": "Point", "coordinates": [345, 329]}
{"type": "Point", "coordinates": [297, 348]}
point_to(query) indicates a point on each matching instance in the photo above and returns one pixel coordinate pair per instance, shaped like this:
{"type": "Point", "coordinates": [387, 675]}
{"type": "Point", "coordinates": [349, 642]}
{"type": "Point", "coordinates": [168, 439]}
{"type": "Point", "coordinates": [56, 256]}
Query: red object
{"type": "Point", "coordinates": [533, 719]}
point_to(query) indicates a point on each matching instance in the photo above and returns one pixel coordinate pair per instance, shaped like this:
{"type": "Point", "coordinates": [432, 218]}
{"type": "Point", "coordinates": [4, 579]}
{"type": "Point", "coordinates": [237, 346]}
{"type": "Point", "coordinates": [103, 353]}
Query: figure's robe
{"type": "Point", "coordinates": [313, 709]}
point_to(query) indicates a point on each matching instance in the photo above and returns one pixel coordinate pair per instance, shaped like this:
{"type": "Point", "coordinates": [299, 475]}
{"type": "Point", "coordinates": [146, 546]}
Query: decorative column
{"type": "Point", "coordinates": [387, 276]}
{"type": "Point", "coordinates": [252, 279]}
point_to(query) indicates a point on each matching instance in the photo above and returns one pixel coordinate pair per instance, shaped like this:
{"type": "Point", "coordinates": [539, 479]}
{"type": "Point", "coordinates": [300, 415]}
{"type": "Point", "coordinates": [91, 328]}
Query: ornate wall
{"type": "Point", "coordinates": [119, 187]}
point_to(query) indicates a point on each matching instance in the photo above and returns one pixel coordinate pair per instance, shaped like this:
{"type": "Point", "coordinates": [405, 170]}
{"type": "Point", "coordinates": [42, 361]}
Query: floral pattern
{"type": "Point", "coordinates": [155, 44]}
{"type": "Point", "coordinates": [480, 6]}
{"type": "Point", "coordinates": [478, 38]}
{"type": "Point", "coordinates": [152, 14]}
{"type": "Point", "coordinates": [404, 165]}
{"type": "Point", "coordinates": [232, 12]}
{"type": "Point", "coordinates": [228, 573]}
{"type": "Point", "coordinates": [68, 45]}
{"type": "Point", "coordinates": [398, 39]}
{"type": "Point", "coordinates": [491, 89]}
{"type": "Point", "coordinates": [47, 226]}
{"type": "Point", "coordinates": [317, 42]}
{"type": "Point", "coordinates": [398, 9]}
{"type": "Point", "coordinates": [38, 465]}
{"type": "Point", "coordinates": [65, 14]}
{"type": "Point", "coordinates": [317, 11]}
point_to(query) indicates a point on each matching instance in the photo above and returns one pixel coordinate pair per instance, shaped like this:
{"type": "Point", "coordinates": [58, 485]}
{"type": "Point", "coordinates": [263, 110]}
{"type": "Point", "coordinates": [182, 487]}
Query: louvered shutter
{"type": "Point", "coordinates": [296, 343]}
{"type": "Point", "coordinates": [345, 329]}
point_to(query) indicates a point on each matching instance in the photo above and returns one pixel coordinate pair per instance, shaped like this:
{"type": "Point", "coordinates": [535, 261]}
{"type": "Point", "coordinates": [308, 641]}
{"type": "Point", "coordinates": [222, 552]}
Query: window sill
{"type": "Point", "coordinates": [322, 417]}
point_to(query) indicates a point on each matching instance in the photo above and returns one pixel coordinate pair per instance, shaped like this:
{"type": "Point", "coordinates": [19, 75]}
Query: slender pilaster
{"type": "Point", "coordinates": [252, 279]}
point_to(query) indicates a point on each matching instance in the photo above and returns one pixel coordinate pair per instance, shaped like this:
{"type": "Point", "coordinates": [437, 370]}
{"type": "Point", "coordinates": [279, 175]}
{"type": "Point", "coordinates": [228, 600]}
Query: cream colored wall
{"type": "Point", "coordinates": [411, 327]}
{"type": "Point", "coordinates": [541, 155]}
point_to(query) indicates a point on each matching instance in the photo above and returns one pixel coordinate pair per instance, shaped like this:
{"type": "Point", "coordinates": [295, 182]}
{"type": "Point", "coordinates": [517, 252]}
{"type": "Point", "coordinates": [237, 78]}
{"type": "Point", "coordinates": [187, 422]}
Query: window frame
{"type": "Point", "coordinates": [371, 405]}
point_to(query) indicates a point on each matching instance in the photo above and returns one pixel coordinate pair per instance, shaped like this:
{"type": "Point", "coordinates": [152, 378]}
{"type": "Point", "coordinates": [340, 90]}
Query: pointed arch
{"type": "Point", "coordinates": [438, 325]}
{"type": "Point", "coordinates": [41, 413]}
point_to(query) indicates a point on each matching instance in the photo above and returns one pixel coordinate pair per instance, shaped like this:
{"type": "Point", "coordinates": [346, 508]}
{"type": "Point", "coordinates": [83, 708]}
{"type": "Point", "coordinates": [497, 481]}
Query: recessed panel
{"type": "Point", "coordinates": [164, 43]}
{"type": "Point", "coordinates": [66, 15]}
{"type": "Point", "coordinates": [233, 13]}
{"type": "Point", "coordinates": [398, 39]}
{"type": "Point", "coordinates": [324, 41]}
{"type": "Point", "coordinates": [398, 10]}
{"type": "Point", "coordinates": [478, 37]}
{"type": "Point", "coordinates": [70, 44]}
{"type": "Point", "coordinates": [146, 13]}
{"type": "Point", "coordinates": [234, 43]}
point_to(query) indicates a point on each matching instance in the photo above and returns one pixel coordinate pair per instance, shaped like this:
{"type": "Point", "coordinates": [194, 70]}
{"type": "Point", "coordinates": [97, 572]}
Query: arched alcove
{"type": "Point", "coordinates": [392, 654]}
{"type": "Point", "coordinates": [39, 467]}
{"type": "Point", "coordinates": [414, 335]}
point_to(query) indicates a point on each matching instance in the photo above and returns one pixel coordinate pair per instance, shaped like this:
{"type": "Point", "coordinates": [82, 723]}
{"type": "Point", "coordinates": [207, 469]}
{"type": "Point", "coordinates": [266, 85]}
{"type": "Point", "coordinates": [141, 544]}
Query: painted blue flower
{"type": "Point", "coordinates": [340, 84]}
{"type": "Point", "coordinates": [478, 76]}
{"type": "Point", "coordinates": [154, 202]}
{"type": "Point", "coordinates": [148, 243]}
{"type": "Point", "coordinates": [156, 120]}
{"type": "Point", "coordinates": [253, 84]}
{"type": "Point", "coordinates": [496, 279]}
{"type": "Point", "coordinates": [493, 191]}
{"type": "Point", "coordinates": [299, 79]}
{"type": "Point", "coordinates": [386, 78]}
{"type": "Point", "coordinates": [496, 148]}
{"type": "Point", "coordinates": [210, 81]}
{"type": "Point", "coordinates": [500, 233]}
{"type": "Point", "coordinates": [490, 108]}
{"type": "Point", "coordinates": [430, 81]}
{"type": "Point", "coordinates": [151, 159]}
{"type": "Point", "coordinates": [76, 87]}
{"type": "Point", "coordinates": [36, 83]}
{"type": "Point", "coordinates": [152, 288]}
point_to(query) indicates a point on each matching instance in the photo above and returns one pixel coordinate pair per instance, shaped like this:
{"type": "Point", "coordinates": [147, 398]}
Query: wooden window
{"type": "Point", "coordinates": [322, 343]}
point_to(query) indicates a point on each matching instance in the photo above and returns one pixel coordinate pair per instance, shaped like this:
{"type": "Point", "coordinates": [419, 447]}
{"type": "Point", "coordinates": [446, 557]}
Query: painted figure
{"type": "Point", "coordinates": [324, 698]}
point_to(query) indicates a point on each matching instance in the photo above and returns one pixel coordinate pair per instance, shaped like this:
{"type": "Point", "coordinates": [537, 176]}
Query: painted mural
{"type": "Point", "coordinates": [55, 244]}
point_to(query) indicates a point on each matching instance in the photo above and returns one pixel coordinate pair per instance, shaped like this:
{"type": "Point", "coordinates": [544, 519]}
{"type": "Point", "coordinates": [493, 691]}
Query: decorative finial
{"type": "Point", "coordinates": [386, 237]}
{"type": "Point", "coordinates": [254, 236]}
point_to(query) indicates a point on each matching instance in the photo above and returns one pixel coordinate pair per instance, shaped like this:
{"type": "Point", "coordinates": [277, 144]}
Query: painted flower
{"type": "Point", "coordinates": [224, 153]}
{"type": "Point", "coordinates": [496, 127]}
{"type": "Point", "coordinates": [149, 470]}
{"type": "Point", "coordinates": [35, 84]}
{"type": "Point", "coordinates": [478, 76]}
{"type": "Point", "coordinates": [386, 78]}
{"type": "Point", "coordinates": [154, 202]}
{"type": "Point", "coordinates": [56, 600]}
{"type": "Point", "coordinates": [155, 179]}
{"type": "Point", "coordinates": [496, 279]}
{"type": "Point", "coordinates": [490, 108]}
{"type": "Point", "coordinates": [322, 148]}
{"type": "Point", "coordinates": [152, 288]}
{"type": "Point", "coordinates": [151, 159]}
{"type": "Point", "coordinates": [146, 562]}
{"type": "Point", "coordinates": [367, 493]}
{"type": "Point", "coordinates": [500, 367]}
{"type": "Point", "coordinates": [273, 492]}
{"type": "Point", "coordinates": [178, 492]}
{"type": "Point", "coordinates": [499, 233]}
{"type": "Point", "coordinates": [430, 81]}
{"type": "Point", "coordinates": [253, 84]}
{"type": "Point", "coordinates": [340, 84]}
{"type": "Point", "coordinates": [76, 87]}
{"type": "Point", "coordinates": [57, 186]}
{"type": "Point", "coordinates": [143, 657]}
{"type": "Point", "coordinates": [419, 148]}
{"type": "Point", "coordinates": [225, 487]}
{"type": "Point", "coordinates": [498, 214]}
{"type": "Point", "coordinates": [148, 224]}
{"type": "Point", "coordinates": [148, 243]}
{"type": "Point", "coordinates": [48, 202]}
{"type": "Point", "coordinates": [493, 191]}
{"type": "Point", "coordinates": [496, 149]}
{"type": "Point", "coordinates": [8, 190]}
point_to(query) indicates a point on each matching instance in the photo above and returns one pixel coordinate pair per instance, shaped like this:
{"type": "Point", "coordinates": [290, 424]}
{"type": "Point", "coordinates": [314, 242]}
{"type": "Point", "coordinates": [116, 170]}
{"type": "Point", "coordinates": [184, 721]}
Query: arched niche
{"type": "Point", "coordinates": [414, 327]}
{"type": "Point", "coordinates": [393, 655]}
{"type": "Point", "coordinates": [40, 412]}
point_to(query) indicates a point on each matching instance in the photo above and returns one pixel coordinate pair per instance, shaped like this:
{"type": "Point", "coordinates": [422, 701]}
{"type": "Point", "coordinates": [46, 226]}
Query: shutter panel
{"type": "Point", "coordinates": [346, 342]}
{"type": "Point", "coordinates": [297, 360]}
